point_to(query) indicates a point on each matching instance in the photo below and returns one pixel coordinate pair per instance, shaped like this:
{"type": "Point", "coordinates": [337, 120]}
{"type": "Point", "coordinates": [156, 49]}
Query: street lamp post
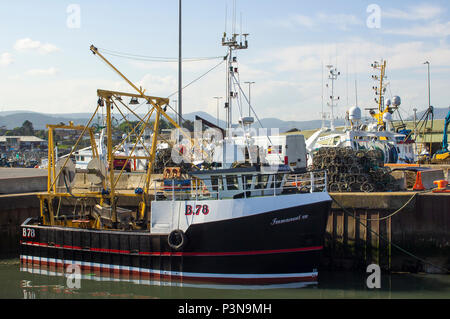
{"type": "Point", "coordinates": [218, 98]}
{"type": "Point", "coordinates": [415, 122]}
{"type": "Point", "coordinates": [429, 102]}
{"type": "Point", "coordinates": [415, 132]}
{"type": "Point", "coordinates": [175, 102]}
{"type": "Point", "coordinates": [429, 86]}
{"type": "Point", "coordinates": [249, 97]}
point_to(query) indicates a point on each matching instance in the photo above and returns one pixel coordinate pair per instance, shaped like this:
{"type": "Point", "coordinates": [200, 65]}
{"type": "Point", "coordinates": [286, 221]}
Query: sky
{"type": "Point", "coordinates": [46, 65]}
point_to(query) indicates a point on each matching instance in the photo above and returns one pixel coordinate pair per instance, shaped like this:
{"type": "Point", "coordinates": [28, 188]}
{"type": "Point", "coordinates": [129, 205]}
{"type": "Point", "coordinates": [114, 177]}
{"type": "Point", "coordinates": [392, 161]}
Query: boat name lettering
{"type": "Point", "coordinates": [277, 221]}
{"type": "Point", "coordinates": [190, 210]}
{"type": "Point", "coordinates": [28, 233]}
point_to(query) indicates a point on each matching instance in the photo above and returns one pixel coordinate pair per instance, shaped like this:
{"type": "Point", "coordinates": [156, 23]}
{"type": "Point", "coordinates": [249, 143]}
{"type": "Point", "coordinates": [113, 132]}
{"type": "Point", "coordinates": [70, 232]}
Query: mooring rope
{"type": "Point", "coordinates": [387, 240]}
{"type": "Point", "coordinates": [394, 213]}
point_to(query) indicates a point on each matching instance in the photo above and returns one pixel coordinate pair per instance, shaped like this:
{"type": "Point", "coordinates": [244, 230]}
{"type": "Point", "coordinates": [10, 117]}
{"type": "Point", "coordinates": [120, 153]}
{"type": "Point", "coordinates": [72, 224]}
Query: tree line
{"type": "Point", "coordinates": [27, 128]}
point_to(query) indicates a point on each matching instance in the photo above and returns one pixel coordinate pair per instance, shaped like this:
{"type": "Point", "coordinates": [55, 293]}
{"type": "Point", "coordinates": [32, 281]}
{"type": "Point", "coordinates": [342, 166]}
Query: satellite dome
{"type": "Point", "coordinates": [396, 101]}
{"type": "Point", "coordinates": [388, 103]}
{"type": "Point", "coordinates": [354, 113]}
{"type": "Point", "coordinates": [387, 117]}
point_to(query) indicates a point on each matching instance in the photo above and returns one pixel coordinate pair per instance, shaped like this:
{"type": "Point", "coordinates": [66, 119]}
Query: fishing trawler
{"type": "Point", "coordinates": [254, 224]}
{"type": "Point", "coordinates": [397, 147]}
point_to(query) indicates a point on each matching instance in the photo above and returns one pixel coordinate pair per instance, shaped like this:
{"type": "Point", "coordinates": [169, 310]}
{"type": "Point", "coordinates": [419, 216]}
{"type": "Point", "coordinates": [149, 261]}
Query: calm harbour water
{"type": "Point", "coordinates": [29, 284]}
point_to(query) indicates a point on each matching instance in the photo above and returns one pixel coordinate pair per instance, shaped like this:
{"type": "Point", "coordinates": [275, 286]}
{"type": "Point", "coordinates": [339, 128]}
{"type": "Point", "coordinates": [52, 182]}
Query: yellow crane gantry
{"type": "Point", "coordinates": [107, 96]}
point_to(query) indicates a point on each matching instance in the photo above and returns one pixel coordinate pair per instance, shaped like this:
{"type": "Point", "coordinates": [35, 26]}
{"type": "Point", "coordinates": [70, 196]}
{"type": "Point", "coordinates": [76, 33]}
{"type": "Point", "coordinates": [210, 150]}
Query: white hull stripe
{"type": "Point", "coordinates": [43, 260]}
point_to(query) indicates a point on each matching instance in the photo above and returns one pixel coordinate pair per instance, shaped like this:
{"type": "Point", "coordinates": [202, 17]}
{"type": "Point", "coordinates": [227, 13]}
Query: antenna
{"type": "Point", "coordinates": [234, 16]}
{"type": "Point", "coordinates": [240, 38]}
{"type": "Point", "coordinates": [322, 114]}
{"type": "Point", "coordinates": [232, 44]}
{"type": "Point", "coordinates": [334, 73]}
{"type": "Point", "coordinates": [380, 89]}
{"type": "Point", "coordinates": [346, 80]}
{"type": "Point", "coordinates": [226, 17]}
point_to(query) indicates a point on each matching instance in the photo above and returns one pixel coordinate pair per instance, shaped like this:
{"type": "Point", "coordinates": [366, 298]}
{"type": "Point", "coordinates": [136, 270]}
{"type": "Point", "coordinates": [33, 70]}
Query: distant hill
{"type": "Point", "coordinates": [439, 114]}
{"type": "Point", "coordinates": [12, 119]}
{"type": "Point", "coordinates": [285, 126]}
{"type": "Point", "coordinates": [39, 120]}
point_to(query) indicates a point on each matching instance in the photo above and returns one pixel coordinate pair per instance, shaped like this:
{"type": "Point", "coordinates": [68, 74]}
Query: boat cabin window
{"type": "Point", "coordinates": [248, 181]}
{"type": "Point", "coordinates": [262, 181]}
{"type": "Point", "coordinates": [232, 182]}
{"type": "Point", "coordinates": [279, 180]}
{"type": "Point", "coordinates": [217, 183]}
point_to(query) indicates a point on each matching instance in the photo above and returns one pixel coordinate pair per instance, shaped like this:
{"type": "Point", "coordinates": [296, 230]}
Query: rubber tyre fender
{"type": "Point", "coordinates": [177, 239]}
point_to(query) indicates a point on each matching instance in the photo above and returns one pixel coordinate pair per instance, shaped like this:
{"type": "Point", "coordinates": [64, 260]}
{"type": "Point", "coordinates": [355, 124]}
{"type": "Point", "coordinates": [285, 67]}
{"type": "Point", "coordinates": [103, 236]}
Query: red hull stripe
{"type": "Point", "coordinates": [188, 254]}
{"type": "Point", "coordinates": [238, 253]}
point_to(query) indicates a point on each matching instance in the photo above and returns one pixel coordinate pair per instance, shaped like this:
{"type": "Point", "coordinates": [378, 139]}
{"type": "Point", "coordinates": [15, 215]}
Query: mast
{"type": "Point", "coordinates": [379, 91]}
{"type": "Point", "coordinates": [180, 66]}
{"type": "Point", "coordinates": [334, 73]}
{"type": "Point", "coordinates": [232, 45]}
{"type": "Point", "coordinates": [322, 114]}
{"type": "Point", "coordinates": [110, 159]}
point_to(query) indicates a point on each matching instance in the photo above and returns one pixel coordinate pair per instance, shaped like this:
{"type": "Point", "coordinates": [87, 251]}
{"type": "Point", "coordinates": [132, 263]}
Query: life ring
{"type": "Point", "coordinates": [177, 239]}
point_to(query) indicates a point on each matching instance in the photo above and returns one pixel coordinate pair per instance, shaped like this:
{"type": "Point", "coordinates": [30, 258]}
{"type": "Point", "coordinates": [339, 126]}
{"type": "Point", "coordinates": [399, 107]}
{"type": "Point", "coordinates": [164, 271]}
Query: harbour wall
{"type": "Point", "coordinates": [361, 230]}
{"type": "Point", "coordinates": [14, 209]}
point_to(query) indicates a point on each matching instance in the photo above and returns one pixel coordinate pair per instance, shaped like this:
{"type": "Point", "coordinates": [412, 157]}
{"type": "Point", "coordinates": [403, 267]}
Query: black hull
{"type": "Point", "coordinates": [274, 247]}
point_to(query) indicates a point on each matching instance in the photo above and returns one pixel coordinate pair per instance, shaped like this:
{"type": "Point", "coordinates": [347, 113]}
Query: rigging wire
{"type": "Point", "coordinates": [155, 58]}
{"type": "Point", "coordinates": [190, 83]}
{"type": "Point", "coordinates": [198, 78]}
{"type": "Point", "coordinates": [257, 118]}
{"type": "Point", "coordinates": [187, 85]}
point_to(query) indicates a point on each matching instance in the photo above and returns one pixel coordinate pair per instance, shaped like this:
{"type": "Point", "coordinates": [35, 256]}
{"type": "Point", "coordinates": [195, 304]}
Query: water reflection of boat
{"type": "Point", "coordinates": [61, 289]}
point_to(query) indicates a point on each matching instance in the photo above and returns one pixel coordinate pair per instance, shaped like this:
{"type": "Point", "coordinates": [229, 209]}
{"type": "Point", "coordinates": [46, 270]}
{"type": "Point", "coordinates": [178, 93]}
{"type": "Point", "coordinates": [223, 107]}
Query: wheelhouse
{"type": "Point", "coordinates": [241, 183]}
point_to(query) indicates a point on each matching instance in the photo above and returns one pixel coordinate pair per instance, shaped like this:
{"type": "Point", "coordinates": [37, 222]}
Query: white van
{"type": "Point", "coordinates": [284, 150]}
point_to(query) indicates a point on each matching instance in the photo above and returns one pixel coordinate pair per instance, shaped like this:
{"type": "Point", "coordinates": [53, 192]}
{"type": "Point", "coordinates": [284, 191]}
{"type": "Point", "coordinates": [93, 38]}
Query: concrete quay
{"type": "Point", "coordinates": [22, 180]}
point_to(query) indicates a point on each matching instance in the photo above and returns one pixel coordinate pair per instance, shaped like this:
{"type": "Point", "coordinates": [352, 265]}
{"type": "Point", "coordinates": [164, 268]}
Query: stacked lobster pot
{"type": "Point", "coordinates": [352, 170]}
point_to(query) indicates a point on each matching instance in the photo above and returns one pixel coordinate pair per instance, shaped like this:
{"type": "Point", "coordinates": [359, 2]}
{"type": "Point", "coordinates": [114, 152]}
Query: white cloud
{"type": "Point", "coordinates": [359, 52]}
{"type": "Point", "coordinates": [28, 44]}
{"type": "Point", "coordinates": [340, 21]}
{"type": "Point", "coordinates": [49, 71]}
{"type": "Point", "coordinates": [303, 21]}
{"type": "Point", "coordinates": [427, 18]}
{"type": "Point", "coordinates": [434, 29]}
{"type": "Point", "coordinates": [6, 59]}
{"type": "Point", "coordinates": [294, 79]}
{"type": "Point", "coordinates": [158, 85]}
{"type": "Point", "coordinates": [417, 12]}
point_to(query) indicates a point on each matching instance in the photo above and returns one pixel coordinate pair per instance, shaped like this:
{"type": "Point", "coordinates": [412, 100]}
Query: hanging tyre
{"type": "Point", "coordinates": [177, 239]}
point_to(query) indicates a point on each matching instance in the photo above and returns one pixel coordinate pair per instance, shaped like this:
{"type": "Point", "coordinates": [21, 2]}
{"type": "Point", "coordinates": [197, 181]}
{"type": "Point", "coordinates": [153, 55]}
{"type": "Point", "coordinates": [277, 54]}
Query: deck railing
{"type": "Point", "coordinates": [278, 184]}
